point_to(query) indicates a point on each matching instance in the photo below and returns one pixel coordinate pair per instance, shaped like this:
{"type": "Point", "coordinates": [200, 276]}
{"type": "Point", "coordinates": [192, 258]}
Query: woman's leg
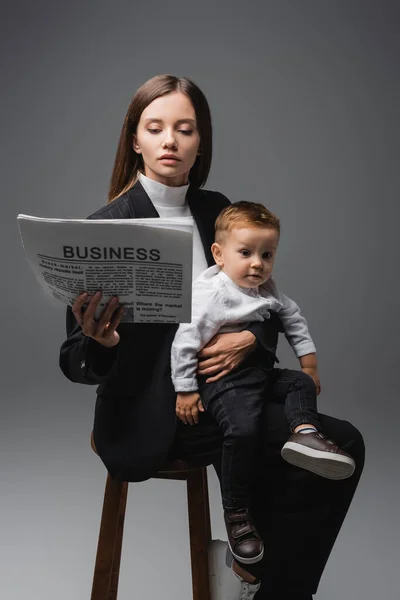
{"type": "Point", "coordinates": [297, 513]}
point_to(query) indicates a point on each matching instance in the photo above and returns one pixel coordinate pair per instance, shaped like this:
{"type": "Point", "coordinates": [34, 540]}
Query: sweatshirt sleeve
{"type": "Point", "coordinates": [295, 327]}
{"type": "Point", "coordinates": [208, 315]}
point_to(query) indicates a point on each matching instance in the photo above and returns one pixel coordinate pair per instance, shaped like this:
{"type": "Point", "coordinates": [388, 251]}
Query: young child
{"type": "Point", "coordinates": [239, 289]}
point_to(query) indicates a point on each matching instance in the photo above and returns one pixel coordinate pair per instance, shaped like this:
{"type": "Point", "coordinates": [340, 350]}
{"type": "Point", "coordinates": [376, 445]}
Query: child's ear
{"type": "Point", "coordinates": [217, 254]}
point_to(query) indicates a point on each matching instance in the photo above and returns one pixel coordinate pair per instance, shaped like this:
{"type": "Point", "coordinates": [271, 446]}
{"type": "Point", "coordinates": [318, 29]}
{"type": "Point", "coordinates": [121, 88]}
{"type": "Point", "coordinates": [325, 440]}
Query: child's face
{"type": "Point", "coordinates": [247, 254]}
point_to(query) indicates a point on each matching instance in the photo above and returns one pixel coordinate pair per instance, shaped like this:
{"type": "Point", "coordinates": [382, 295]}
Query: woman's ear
{"type": "Point", "coordinates": [135, 145]}
{"type": "Point", "coordinates": [217, 254]}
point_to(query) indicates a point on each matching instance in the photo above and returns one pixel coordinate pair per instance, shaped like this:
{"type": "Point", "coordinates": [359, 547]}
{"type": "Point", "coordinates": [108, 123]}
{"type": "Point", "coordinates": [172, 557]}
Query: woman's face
{"type": "Point", "coordinates": [168, 139]}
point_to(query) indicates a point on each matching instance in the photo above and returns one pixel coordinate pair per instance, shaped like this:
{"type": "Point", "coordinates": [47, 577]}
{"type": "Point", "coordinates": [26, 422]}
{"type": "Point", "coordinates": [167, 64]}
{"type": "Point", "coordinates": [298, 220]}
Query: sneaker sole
{"type": "Point", "coordinates": [222, 586]}
{"type": "Point", "coordinates": [246, 561]}
{"type": "Point", "coordinates": [331, 466]}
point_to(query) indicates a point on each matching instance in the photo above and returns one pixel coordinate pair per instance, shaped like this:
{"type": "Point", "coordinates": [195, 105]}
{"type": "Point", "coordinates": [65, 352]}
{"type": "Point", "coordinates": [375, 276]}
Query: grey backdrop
{"type": "Point", "coordinates": [304, 98]}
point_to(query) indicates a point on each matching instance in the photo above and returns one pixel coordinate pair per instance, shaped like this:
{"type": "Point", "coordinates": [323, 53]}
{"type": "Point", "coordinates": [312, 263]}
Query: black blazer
{"type": "Point", "coordinates": [135, 420]}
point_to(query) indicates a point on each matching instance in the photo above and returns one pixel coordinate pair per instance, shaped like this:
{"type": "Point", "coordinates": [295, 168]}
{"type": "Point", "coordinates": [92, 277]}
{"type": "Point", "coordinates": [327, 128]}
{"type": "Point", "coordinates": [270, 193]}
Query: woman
{"type": "Point", "coordinates": [162, 161]}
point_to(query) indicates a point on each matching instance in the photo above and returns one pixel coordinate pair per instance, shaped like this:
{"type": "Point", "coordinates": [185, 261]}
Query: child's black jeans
{"type": "Point", "coordinates": [236, 403]}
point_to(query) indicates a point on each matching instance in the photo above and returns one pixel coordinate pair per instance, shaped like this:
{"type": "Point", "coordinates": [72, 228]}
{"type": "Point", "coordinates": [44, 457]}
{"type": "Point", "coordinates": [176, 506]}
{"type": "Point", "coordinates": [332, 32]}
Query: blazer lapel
{"type": "Point", "coordinates": [142, 207]}
{"type": "Point", "coordinates": [204, 218]}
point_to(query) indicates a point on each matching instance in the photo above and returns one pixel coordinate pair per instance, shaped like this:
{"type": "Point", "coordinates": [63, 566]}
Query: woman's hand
{"type": "Point", "coordinates": [188, 405]}
{"type": "Point", "coordinates": [103, 330]}
{"type": "Point", "coordinates": [224, 352]}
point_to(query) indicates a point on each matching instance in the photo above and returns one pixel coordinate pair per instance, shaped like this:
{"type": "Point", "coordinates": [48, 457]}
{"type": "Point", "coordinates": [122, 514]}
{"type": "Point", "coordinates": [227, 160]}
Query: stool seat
{"type": "Point", "coordinates": [109, 547]}
{"type": "Point", "coordinates": [177, 466]}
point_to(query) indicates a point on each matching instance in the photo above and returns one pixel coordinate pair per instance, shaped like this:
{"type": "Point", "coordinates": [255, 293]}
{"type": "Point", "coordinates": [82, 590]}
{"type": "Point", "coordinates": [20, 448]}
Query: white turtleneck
{"type": "Point", "coordinates": [170, 202]}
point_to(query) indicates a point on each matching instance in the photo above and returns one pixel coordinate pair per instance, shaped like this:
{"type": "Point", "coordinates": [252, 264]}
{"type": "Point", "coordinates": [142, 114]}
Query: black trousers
{"type": "Point", "coordinates": [236, 403]}
{"type": "Point", "coordinates": [297, 513]}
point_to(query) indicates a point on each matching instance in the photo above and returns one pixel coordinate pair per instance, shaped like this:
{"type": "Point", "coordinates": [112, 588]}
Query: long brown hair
{"type": "Point", "coordinates": [128, 163]}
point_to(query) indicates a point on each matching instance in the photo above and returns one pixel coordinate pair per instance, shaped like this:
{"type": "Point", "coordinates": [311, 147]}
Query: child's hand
{"type": "Point", "coordinates": [313, 372]}
{"type": "Point", "coordinates": [188, 405]}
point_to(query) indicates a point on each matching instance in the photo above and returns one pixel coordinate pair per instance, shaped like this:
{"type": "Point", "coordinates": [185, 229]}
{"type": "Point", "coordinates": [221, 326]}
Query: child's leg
{"type": "Point", "coordinates": [308, 448]}
{"type": "Point", "coordinates": [301, 398]}
{"type": "Point", "coordinates": [235, 402]}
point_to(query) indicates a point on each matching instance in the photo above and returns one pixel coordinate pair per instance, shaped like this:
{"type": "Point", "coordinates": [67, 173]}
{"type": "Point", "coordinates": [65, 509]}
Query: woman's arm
{"type": "Point", "coordinates": [86, 357]}
{"type": "Point", "coordinates": [226, 351]}
{"type": "Point", "coordinates": [91, 348]}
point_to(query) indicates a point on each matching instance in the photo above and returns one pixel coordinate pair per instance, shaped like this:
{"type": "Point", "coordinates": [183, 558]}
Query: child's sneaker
{"type": "Point", "coordinates": [243, 539]}
{"type": "Point", "coordinates": [315, 452]}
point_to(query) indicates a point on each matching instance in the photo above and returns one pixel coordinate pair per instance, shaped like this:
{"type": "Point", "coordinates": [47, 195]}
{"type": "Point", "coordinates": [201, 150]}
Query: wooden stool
{"type": "Point", "coordinates": [108, 558]}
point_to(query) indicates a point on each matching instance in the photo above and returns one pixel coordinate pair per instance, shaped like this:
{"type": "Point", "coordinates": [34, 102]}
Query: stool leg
{"type": "Point", "coordinates": [106, 571]}
{"type": "Point", "coordinates": [200, 531]}
{"type": "Point", "coordinates": [118, 544]}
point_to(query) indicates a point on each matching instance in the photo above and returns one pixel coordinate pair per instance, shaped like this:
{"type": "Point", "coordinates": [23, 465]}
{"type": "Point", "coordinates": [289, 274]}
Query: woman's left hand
{"type": "Point", "coordinates": [224, 352]}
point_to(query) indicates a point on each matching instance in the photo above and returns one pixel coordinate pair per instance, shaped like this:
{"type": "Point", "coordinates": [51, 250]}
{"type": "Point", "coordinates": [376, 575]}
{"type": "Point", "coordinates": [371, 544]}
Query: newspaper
{"type": "Point", "coordinates": [147, 263]}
